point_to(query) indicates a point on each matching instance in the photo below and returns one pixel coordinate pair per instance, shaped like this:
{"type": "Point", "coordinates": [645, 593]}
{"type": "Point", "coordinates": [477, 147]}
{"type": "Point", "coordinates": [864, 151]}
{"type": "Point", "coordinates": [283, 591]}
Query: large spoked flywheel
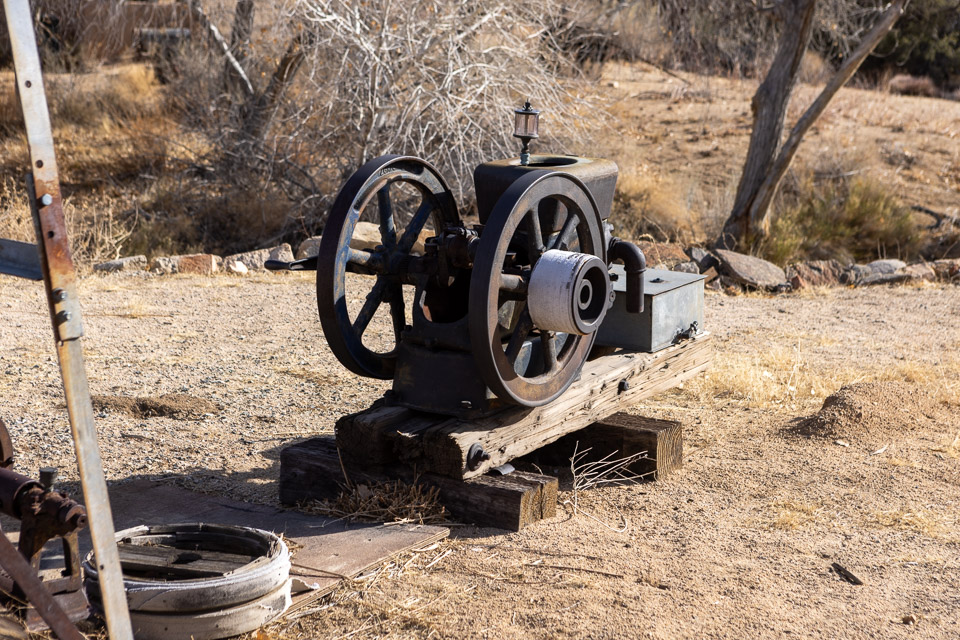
{"type": "Point", "coordinates": [539, 288]}
{"type": "Point", "coordinates": [409, 193]}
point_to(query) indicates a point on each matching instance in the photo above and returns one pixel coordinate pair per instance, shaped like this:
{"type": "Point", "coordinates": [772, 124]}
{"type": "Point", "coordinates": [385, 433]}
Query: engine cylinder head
{"type": "Point", "coordinates": [569, 292]}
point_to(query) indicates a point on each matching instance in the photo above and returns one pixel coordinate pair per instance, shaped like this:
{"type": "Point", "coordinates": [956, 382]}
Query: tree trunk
{"type": "Point", "coordinates": [239, 45]}
{"type": "Point", "coordinates": [766, 164]}
{"type": "Point", "coordinates": [769, 111]}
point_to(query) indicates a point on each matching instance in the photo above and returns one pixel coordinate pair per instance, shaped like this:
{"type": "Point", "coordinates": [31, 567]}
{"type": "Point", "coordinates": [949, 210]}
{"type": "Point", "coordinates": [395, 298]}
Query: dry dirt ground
{"type": "Point", "coordinates": [738, 544]}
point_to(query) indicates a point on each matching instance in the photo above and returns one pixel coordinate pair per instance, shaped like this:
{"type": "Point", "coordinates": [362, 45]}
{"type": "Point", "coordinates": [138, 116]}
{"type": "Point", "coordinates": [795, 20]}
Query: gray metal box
{"type": "Point", "coordinates": [672, 303]}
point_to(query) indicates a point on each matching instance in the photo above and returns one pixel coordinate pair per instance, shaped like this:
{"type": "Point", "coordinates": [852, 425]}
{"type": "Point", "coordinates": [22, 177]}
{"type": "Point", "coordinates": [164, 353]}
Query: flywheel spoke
{"type": "Point", "coordinates": [535, 246]}
{"type": "Point", "coordinates": [370, 306]}
{"type": "Point", "coordinates": [388, 230]}
{"type": "Point", "coordinates": [520, 333]}
{"type": "Point", "coordinates": [548, 344]}
{"type": "Point", "coordinates": [562, 241]}
{"type": "Point", "coordinates": [397, 311]}
{"type": "Point", "coordinates": [412, 232]}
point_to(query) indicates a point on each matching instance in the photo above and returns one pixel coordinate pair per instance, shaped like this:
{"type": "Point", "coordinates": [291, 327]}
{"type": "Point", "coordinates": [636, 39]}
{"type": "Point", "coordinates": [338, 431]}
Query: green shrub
{"type": "Point", "coordinates": [846, 218]}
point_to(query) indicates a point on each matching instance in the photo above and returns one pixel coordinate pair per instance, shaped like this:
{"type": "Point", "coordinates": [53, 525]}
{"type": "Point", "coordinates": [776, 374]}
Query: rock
{"type": "Point", "coordinates": [920, 271]}
{"type": "Point", "coordinates": [886, 266]}
{"type": "Point", "coordinates": [751, 271]}
{"type": "Point", "coordinates": [703, 258]}
{"type": "Point", "coordinates": [663, 255]}
{"type": "Point", "coordinates": [710, 274]}
{"type": "Point", "coordinates": [235, 266]}
{"type": "Point", "coordinates": [308, 248]}
{"type": "Point", "coordinates": [816, 273]}
{"type": "Point", "coordinates": [947, 269]}
{"type": "Point", "coordinates": [253, 260]}
{"type": "Point", "coordinates": [885, 278]}
{"type": "Point", "coordinates": [797, 283]}
{"type": "Point", "coordinates": [130, 263]}
{"type": "Point", "coordinates": [854, 273]}
{"type": "Point", "coordinates": [163, 266]}
{"type": "Point", "coordinates": [282, 253]}
{"type": "Point", "coordinates": [201, 263]}
{"type": "Point", "coordinates": [366, 235]}
{"type": "Point", "coordinates": [687, 267]}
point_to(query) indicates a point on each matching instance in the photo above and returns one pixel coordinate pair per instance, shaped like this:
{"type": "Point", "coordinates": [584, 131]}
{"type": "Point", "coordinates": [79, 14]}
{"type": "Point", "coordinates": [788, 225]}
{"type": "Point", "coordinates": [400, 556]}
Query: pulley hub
{"type": "Point", "coordinates": [569, 292]}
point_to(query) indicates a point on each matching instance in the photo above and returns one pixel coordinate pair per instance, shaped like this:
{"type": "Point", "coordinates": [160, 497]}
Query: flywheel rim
{"type": "Point", "coordinates": [335, 253]}
{"type": "Point", "coordinates": [517, 204]}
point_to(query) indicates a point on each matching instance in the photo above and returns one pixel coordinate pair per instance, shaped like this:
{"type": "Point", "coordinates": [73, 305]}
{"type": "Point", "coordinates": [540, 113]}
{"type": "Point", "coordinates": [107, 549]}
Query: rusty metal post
{"type": "Point", "coordinates": [43, 189]}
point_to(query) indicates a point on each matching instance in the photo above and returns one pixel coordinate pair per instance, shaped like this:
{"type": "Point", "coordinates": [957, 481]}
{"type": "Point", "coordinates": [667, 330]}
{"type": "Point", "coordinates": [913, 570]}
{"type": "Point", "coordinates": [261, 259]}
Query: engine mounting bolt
{"type": "Point", "coordinates": [59, 295]}
{"type": "Point", "coordinates": [46, 199]}
{"type": "Point", "coordinates": [476, 456]}
{"type": "Point", "coordinates": [48, 476]}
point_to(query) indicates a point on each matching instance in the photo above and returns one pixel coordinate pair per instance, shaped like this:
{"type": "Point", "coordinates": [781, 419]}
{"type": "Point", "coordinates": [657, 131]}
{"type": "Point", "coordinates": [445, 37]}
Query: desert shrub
{"type": "Point", "coordinates": [368, 79]}
{"type": "Point", "coordinates": [650, 206]}
{"type": "Point", "coordinates": [925, 41]}
{"type": "Point", "coordinates": [908, 85]}
{"type": "Point", "coordinates": [845, 215]}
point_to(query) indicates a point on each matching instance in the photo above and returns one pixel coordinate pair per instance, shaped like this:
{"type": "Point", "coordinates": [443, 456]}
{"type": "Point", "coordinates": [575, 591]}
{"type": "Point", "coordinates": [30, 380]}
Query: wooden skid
{"type": "Point", "coordinates": [439, 445]}
{"type": "Point", "coordinates": [313, 470]}
{"type": "Point", "coordinates": [616, 437]}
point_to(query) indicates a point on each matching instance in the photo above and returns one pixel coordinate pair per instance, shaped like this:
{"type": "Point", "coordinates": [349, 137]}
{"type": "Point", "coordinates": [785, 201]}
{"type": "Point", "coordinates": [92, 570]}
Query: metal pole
{"type": "Point", "coordinates": [43, 189]}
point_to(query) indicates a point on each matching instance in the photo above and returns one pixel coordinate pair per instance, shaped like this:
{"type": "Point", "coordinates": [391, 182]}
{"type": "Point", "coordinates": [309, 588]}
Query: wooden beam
{"type": "Point", "coordinates": [314, 470]}
{"type": "Point", "coordinates": [607, 385]}
{"type": "Point", "coordinates": [616, 437]}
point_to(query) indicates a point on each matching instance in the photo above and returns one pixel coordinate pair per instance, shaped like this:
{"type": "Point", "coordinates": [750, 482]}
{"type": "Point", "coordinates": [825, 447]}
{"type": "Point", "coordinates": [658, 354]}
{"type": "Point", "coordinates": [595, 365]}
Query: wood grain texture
{"type": "Point", "coordinates": [515, 432]}
{"type": "Point", "coordinates": [313, 470]}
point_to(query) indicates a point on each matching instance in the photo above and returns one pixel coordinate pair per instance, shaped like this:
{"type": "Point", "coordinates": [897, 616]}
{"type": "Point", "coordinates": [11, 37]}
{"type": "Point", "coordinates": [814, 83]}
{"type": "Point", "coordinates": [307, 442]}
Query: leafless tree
{"type": "Point", "coordinates": [768, 158]}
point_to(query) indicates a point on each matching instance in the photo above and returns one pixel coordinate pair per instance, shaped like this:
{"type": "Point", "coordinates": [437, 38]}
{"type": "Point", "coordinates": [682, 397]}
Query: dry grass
{"type": "Point", "coordinates": [652, 205]}
{"type": "Point", "coordinates": [394, 501]}
{"type": "Point", "coordinates": [791, 514]}
{"type": "Point", "coordinates": [927, 522]}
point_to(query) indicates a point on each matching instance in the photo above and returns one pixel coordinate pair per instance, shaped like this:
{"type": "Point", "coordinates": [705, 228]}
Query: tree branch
{"type": "Point", "coordinates": [759, 208]}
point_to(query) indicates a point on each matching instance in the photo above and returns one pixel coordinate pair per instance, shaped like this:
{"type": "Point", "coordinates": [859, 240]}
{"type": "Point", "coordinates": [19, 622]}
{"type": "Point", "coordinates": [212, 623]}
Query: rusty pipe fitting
{"type": "Point", "coordinates": [634, 263]}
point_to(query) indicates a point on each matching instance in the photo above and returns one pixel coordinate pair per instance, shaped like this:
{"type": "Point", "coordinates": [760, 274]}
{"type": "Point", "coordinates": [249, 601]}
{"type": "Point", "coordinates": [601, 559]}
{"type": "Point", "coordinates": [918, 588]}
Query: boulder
{"type": "Point", "coordinates": [308, 248]}
{"type": "Point", "coordinates": [854, 274]}
{"type": "Point", "coordinates": [163, 266]}
{"type": "Point", "coordinates": [750, 270]}
{"type": "Point", "coordinates": [886, 266]}
{"type": "Point", "coordinates": [920, 271]}
{"type": "Point", "coordinates": [703, 258]}
{"type": "Point", "coordinates": [687, 267]}
{"type": "Point", "coordinates": [235, 266]}
{"type": "Point", "coordinates": [253, 260]}
{"type": "Point", "coordinates": [130, 263]}
{"type": "Point", "coordinates": [897, 277]}
{"type": "Point", "coordinates": [947, 269]}
{"type": "Point", "coordinates": [816, 273]}
{"type": "Point", "coordinates": [366, 235]}
{"type": "Point", "coordinates": [202, 263]}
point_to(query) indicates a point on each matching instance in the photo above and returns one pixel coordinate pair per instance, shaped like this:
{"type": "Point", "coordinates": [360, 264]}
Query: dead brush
{"type": "Point", "coordinates": [608, 470]}
{"type": "Point", "coordinates": [394, 502]}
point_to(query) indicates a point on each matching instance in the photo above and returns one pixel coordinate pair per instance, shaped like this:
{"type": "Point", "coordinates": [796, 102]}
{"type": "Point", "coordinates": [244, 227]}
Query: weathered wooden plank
{"type": "Point", "coordinates": [620, 436]}
{"type": "Point", "coordinates": [312, 470]}
{"type": "Point", "coordinates": [607, 385]}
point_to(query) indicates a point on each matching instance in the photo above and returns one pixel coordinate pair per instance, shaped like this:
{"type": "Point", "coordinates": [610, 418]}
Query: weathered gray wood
{"type": "Point", "coordinates": [312, 470]}
{"type": "Point", "coordinates": [437, 444]}
{"type": "Point", "coordinates": [598, 394]}
{"type": "Point", "coordinates": [620, 436]}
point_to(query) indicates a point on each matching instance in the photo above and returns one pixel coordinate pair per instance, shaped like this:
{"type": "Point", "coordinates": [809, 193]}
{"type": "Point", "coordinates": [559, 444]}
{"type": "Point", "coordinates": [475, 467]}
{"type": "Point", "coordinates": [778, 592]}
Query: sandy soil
{"type": "Point", "coordinates": [739, 543]}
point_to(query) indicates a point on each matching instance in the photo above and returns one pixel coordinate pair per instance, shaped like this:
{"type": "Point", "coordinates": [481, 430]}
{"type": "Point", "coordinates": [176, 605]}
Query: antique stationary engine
{"type": "Point", "coordinates": [504, 311]}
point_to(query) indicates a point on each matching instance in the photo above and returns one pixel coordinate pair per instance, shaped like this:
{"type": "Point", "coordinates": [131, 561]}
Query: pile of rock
{"type": "Point", "coordinates": [724, 269]}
